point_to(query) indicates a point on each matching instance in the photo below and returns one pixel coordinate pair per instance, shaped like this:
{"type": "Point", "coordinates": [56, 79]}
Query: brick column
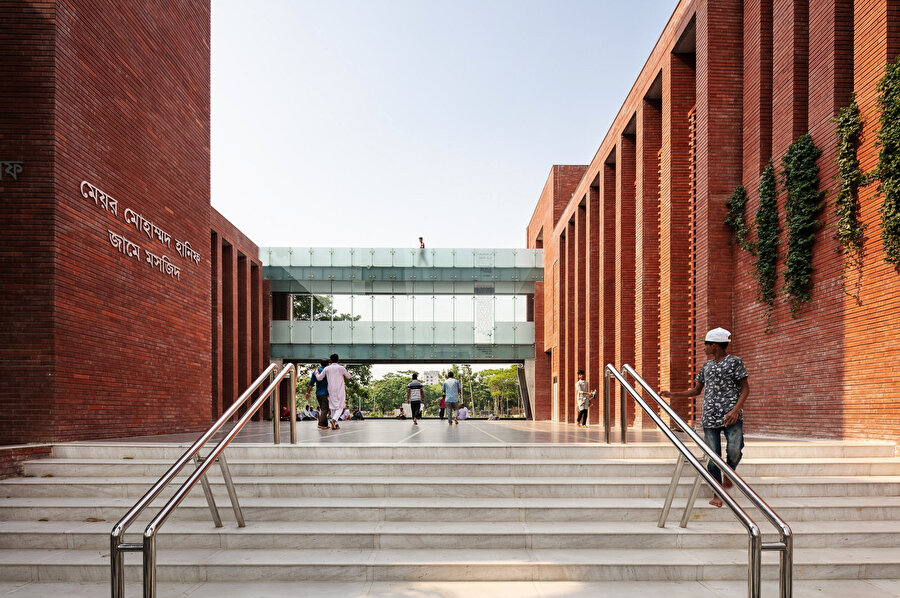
{"type": "Point", "coordinates": [542, 370]}
{"type": "Point", "coordinates": [757, 95]}
{"type": "Point", "coordinates": [568, 382]}
{"type": "Point", "coordinates": [718, 161]}
{"type": "Point", "coordinates": [229, 326]}
{"type": "Point", "coordinates": [593, 355]}
{"type": "Point", "coordinates": [581, 286]}
{"type": "Point", "coordinates": [646, 313]}
{"type": "Point", "coordinates": [624, 258]}
{"type": "Point", "coordinates": [258, 357]}
{"type": "Point", "coordinates": [561, 353]}
{"type": "Point", "coordinates": [676, 344]}
{"type": "Point", "coordinates": [245, 326]}
{"type": "Point", "coordinates": [606, 283]}
{"type": "Point", "coordinates": [215, 258]}
{"type": "Point", "coordinates": [790, 91]}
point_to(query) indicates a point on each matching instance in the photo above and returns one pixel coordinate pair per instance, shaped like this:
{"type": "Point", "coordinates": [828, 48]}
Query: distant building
{"type": "Point", "coordinates": [431, 377]}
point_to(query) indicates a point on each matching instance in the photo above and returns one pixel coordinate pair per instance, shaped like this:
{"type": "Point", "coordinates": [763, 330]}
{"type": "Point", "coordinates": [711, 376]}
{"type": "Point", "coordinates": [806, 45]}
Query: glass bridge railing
{"type": "Point", "coordinates": [400, 333]}
{"type": "Point", "coordinates": [393, 257]}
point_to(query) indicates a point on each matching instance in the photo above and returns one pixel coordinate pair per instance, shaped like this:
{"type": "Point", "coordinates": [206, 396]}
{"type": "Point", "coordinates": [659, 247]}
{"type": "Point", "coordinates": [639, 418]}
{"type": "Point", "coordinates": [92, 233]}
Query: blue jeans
{"type": "Point", "coordinates": [734, 439]}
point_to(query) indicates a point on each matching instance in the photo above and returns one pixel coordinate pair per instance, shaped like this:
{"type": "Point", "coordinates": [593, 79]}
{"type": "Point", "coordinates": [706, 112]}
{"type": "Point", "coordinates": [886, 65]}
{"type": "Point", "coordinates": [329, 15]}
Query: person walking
{"type": "Point", "coordinates": [335, 374]}
{"type": "Point", "coordinates": [723, 380]}
{"type": "Point", "coordinates": [321, 394]}
{"type": "Point", "coordinates": [582, 399]}
{"type": "Point", "coordinates": [451, 390]}
{"type": "Point", "coordinates": [443, 406]}
{"type": "Point", "coordinates": [415, 394]}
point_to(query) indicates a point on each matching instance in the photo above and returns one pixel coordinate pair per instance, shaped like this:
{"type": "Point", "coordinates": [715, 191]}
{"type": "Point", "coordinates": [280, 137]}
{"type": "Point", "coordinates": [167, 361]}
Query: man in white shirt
{"type": "Point", "coordinates": [335, 373]}
{"type": "Point", "coordinates": [463, 412]}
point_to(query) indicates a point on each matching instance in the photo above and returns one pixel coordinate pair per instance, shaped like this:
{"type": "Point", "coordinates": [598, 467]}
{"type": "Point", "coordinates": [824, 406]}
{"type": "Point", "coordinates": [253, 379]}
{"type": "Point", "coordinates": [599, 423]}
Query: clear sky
{"type": "Point", "coordinates": [367, 123]}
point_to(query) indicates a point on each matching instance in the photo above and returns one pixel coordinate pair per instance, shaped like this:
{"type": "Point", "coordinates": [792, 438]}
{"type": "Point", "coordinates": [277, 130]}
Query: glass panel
{"type": "Point", "coordinates": [300, 333]}
{"type": "Point", "coordinates": [403, 334]}
{"type": "Point", "coordinates": [280, 256]}
{"type": "Point", "coordinates": [526, 258]}
{"type": "Point", "coordinates": [321, 333]}
{"type": "Point", "coordinates": [504, 308]}
{"type": "Point", "coordinates": [525, 333]}
{"type": "Point", "coordinates": [464, 258]}
{"type": "Point", "coordinates": [504, 258]}
{"type": "Point", "coordinates": [340, 257]}
{"type": "Point", "coordinates": [443, 308]}
{"type": "Point", "coordinates": [443, 333]}
{"type": "Point", "coordinates": [423, 258]}
{"type": "Point", "coordinates": [484, 258]}
{"type": "Point", "coordinates": [362, 333]}
{"type": "Point", "coordinates": [504, 333]}
{"type": "Point", "coordinates": [443, 258]}
{"type": "Point", "coordinates": [424, 334]}
{"type": "Point", "coordinates": [299, 257]}
{"type": "Point", "coordinates": [405, 258]}
{"type": "Point", "coordinates": [383, 257]}
{"type": "Point", "coordinates": [381, 308]}
{"type": "Point", "coordinates": [341, 333]}
{"type": "Point", "coordinates": [281, 331]}
{"type": "Point", "coordinates": [361, 257]}
{"type": "Point", "coordinates": [402, 308]}
{"type": "Point", "coordinates": [320, 256]}
{"type": "Point", "coordinates": [264, 255]}
{"type": "Point", "coordinates": [465, 308]}
{"type": "Point", "coordinates": [465, 333]}
{"type": "Point", "coordinates": [383, 335]}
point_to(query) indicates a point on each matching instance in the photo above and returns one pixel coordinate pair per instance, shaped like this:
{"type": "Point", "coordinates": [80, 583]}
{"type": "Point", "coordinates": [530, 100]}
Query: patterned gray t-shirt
{"type": "Point", "coordinates": [721, 388]}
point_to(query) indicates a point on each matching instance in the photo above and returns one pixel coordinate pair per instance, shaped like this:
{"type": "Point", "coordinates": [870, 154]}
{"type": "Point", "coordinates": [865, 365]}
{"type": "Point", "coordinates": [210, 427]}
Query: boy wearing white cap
{"type": "Point", "coordinates": [723, 382]}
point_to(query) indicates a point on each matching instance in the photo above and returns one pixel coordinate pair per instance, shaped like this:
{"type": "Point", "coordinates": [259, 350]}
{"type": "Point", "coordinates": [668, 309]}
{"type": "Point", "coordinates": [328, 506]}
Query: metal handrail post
{"type": "Point", "coordinates": [294, 405]}
{"type": "Point", "coordinates": [670, 495]}
{"type": "Point", "coordinates": [692, 499]}
{"type": "Point", "coordinates": [623, 425]}
{"type": "Point", "coordinates": [276, 408]}
{"type": "Point", "coordinates": [207, 492]}
{"type": "Point", "coordinates": [232, 494]}
{"type": "Point", "coordinates": [149, 566]}
{"type": "Point", "coordinates": [754, 579]}
{"type": "Point", "coordinates": [786, 558]}
{"type": "Point", "coordinates": [606, 402]}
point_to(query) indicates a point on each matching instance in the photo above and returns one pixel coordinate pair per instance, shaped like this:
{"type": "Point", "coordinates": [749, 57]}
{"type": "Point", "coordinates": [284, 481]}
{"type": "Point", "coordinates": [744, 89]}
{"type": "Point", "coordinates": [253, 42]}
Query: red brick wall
{"type": "Point", "coordinates": [763, 73]}
{"type": "Point", "coordinates": [27, 212]}
{"type": "Point", "coordinates": [107, 104]}
{"type": "Point", "coordinates": [11, 457]}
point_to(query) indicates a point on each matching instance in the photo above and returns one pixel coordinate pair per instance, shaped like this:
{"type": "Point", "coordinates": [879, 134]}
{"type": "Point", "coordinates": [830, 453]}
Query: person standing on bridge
{"type": "Point", "coordinates": [723, 382]}
{"type": "Point", "coordinates": [335, 373]}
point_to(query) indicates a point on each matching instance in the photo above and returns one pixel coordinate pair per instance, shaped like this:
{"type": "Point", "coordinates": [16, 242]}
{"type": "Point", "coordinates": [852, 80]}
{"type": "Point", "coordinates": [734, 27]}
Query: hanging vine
{"type": "Point", "coordinates": [889, 162]}
{"type": "Point", "coordinates": [735, 219]}
{"type": "Point", "coordinates": [850, 231]}
{"type": "Point", "coordinates": [800, 174]}
{"type": "Point", "coordinates": [767, 231]}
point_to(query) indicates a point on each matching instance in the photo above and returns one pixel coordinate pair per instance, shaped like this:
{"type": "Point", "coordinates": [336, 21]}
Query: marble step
{"type": "Point", "coordinates": [870, 588]}
{"type": "Point", "coordinates": [755, 449]}
{"type": "Point", "coordinates": [862, 508]}
{"type": "Point", "coordinates": [437, 469]}
{"type": "Point", "coordinates": [361, 486]}
{"type": "Point", "coordinates": [426, 534]}
{"type": "Point", "coordinates": [301, 565]}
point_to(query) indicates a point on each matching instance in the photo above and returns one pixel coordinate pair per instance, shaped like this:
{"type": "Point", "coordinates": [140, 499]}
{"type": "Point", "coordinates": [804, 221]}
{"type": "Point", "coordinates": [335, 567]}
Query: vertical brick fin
{"type": "Point", "coordinates": [790, 60]}
{"type": "Point", "coordinates": [625, 251]}
{"type": "Point", "coordinates": [647, 173]}
{"type": "Point", "coordinates": [607, 281]}
{"type": "Point", "coordinates": [757, 90]}
{"type": "Point", "coordinates": [692, 244]}
{"type": "Point", "coordinates": [569, 382]}
{"type": "Point", "coordinates": [215, 257]}
{"type": "Point", "coordinates": [678, 99]}
{"type": "Point", "coordinates": [593, 356]}
{"type": "Point", "coordinates": [717, 159]}
{"type": "Point", "coordinates": [581, 286]}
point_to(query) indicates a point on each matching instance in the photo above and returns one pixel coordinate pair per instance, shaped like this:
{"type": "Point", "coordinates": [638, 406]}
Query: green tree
{"type": "Point", "coordinates": [389, 392]}
{"type": "Point", "coordinates": [504, 390]}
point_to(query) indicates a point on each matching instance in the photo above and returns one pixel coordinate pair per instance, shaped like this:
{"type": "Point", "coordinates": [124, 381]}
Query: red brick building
{"type": "Point", "coordinates": [639, 263]}
{"type": "Point", "coordinates": [128, 306]}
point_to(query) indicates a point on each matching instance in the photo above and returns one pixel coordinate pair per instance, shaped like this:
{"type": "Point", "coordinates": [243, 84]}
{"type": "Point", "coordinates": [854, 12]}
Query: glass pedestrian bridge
{"type": "Point", "coordinates": [401, 304]}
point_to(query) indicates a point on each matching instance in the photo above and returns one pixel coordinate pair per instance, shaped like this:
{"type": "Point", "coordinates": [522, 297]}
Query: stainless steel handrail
{"type": "Point", "coordinates": [756, 545]}
{"type": "Point", "coordinates": [148, 546]}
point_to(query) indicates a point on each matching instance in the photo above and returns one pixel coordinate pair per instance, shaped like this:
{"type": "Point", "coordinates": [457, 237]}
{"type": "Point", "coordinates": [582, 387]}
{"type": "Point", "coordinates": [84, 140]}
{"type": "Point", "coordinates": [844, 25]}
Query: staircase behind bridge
{"type": "Point", "coordinates": [543, 519]}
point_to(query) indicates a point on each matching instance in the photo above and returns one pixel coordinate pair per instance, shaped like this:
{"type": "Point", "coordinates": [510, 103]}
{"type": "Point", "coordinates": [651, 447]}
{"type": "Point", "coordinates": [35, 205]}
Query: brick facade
{"type": "Point", "coordinates": [728, 87]}
{"type": "Point", "coordinates": [105, 316]}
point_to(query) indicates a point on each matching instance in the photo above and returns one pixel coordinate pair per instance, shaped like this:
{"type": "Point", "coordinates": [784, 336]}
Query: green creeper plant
{"type": "Point", "coordinates": [735, 219]}
{"type": "Point", "coordinates": [849, 231]}
{"type": "Point", "coordinates": [800, 175]}
{"type": "Point", "coordinates": [889, 162]}
{"type": "Point", "coordinates": [767, 231]}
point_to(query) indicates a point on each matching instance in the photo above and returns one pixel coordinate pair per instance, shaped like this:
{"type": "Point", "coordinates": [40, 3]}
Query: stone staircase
{"type": "Point", "coordinates": [545, 515]}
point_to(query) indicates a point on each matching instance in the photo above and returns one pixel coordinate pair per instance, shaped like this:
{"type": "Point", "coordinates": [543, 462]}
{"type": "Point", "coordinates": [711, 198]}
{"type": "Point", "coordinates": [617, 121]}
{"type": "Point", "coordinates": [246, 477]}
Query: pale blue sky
{"type": "Point", "coordinates": [369, 123]}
